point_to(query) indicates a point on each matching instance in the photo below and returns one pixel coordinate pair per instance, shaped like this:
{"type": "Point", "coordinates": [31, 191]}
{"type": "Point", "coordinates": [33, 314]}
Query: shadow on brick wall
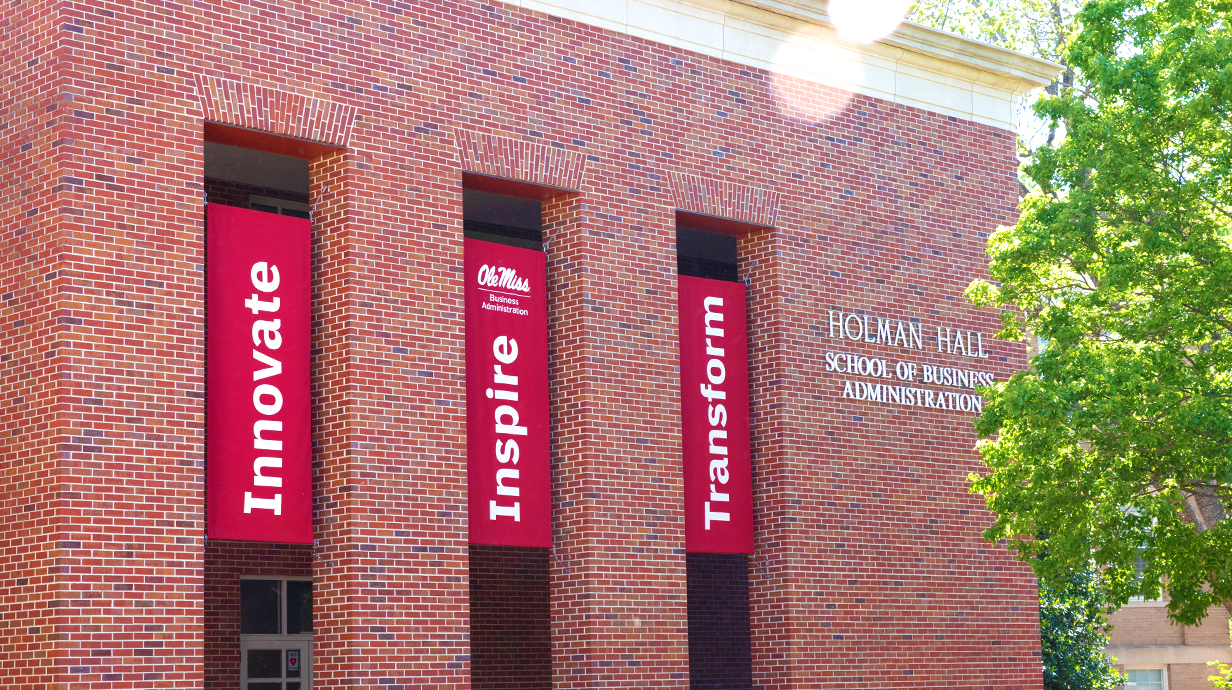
{"type": "Point", "coordinates": [511, 632]}
{"type": "Point", "coordinates": [720, 656]}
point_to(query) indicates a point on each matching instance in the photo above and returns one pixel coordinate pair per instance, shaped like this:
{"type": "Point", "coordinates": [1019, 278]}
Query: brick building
{"type": "Point", "coordinates": [1157, 655]}
{"type": "Point", "coordinates": [859, 183]}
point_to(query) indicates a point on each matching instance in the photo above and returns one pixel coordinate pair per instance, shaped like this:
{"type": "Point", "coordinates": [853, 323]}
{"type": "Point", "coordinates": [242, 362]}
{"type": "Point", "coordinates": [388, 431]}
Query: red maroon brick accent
{"type": "Point", "coordinates": [723, 199]}
{"type": "Point", "coordinates": [520, 160]}
{"type": "Point", "coordinates": [869, 570]}
{"type": "Point", "coordinates": [511, 635]}
{"type": "Point", "coordinates": [278, 112]}
{"type": "Point", "coordinates": [225, 562]}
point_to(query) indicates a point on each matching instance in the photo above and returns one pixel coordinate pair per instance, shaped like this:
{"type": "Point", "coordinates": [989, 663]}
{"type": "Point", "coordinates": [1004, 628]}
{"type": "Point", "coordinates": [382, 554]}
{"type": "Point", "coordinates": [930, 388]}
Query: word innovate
{"type": "Point", "coordinates": [266, 397]}
{"type": "Point", "coordinates": [917, 397]}
{"type": "Point", "coordinates": [906, 334]}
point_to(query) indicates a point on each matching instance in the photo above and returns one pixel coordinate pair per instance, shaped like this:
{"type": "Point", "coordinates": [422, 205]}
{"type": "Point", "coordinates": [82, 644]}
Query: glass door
{"type": "Point", "coordinates": [269, 664]}
{"type": "Point", "coordinates": [275, 634]}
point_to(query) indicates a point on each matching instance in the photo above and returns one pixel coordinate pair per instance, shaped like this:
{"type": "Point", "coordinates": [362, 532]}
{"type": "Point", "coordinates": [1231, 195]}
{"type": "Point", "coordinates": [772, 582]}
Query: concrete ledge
{"type": "Point", "coordinates": [1159, 656]}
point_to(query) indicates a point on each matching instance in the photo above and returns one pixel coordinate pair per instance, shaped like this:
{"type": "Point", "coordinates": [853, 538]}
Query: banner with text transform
{"type": "Point", "coordinates": [714, 412]}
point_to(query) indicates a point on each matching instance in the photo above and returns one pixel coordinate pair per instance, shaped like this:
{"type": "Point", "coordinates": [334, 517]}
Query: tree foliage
{"type": "Point", "coordinates": [1072, 635]}
{"type": "Point", "coordinates": [1115, 448]}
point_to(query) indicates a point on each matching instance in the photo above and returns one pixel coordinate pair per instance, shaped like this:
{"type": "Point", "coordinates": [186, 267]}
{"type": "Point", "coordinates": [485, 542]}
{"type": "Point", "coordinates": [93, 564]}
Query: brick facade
{"type": "Point", "coordinates": [869, 569]}
{"type": "Point", "coordinates": [1142, 637]}
{"type": "Point", "coordinates": [225, 561]}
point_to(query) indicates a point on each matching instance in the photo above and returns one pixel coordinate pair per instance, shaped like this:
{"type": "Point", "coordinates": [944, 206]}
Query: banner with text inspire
{"type": "Point", "coordinates": [258, 404]}
{"type": "Point", "coordinates": [714, 412]}
{"type": "Point", "coordinates": [508, 470]}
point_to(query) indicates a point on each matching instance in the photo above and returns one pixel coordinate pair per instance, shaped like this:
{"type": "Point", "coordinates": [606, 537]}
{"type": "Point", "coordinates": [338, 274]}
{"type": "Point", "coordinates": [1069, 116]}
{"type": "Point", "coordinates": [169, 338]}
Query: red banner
{"type": "Point", "coordinates": [714, 413]}
{"type": "Point", "coordinates": [508, 469]}
{"type": "Point", "coordinates": [258, 406]}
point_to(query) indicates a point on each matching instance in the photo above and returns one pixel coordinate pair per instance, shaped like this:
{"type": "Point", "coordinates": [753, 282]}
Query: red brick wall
{"type": "Point", "coordinates": [510, 616]}
{"type": "Point", "coordinates": [30, 526]}
{"type": "Point", "coordinates": [869, 568]}
{"type": "Point", "coordinates": [225, 562]}
{"type": "Point", "coordinates": [101, 368]}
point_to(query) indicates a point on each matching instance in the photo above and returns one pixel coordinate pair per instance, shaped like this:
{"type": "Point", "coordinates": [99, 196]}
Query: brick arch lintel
{"type": "Point", "coordinates": [278, 112]}
{"type": "Point", "coordinates": [723, 199]}
{"type": "Point", "coordinates": [524, 161]}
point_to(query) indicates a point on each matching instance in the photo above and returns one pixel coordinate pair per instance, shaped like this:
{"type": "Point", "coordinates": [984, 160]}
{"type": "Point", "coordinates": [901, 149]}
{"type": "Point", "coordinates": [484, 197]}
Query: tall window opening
{"type": "Point", "coordinates": [258, 595]}
{"type": "Point", "coordinates": [511, 645]}
{"type": "Point", "coordinates": [720, 653]}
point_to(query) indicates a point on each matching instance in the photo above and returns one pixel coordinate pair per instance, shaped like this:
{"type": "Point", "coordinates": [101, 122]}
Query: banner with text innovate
{"type": "Point", "coordinates": [714, 412]}
{"type": "Point", "coordinates": [258, 405]}
{"type": "Point", "coordinates": [508, 470]}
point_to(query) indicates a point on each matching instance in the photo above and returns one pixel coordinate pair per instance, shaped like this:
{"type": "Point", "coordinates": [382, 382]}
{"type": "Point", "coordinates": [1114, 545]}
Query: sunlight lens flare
{"type": "Point", "coordinates": [812, 80]}
{"type": "Point", "coordinates": [865, 21]}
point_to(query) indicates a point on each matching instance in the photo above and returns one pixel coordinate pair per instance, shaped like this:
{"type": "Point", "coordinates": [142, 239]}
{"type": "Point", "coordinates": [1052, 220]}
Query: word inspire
{"type": "Point", "coordinates": [505, 349]}
{"type": "Point", "coordinates": [266, 397]}
{"type": "Point", "coordinates": [501, 277]}
{"type": "Point", "coordinates": [716, 414]}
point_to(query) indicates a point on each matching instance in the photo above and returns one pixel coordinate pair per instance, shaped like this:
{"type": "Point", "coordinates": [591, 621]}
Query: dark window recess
{"type": "Point", "coordinates": [259, 607]}
{"type": "Point", "coordinates": [705, 254]}
{"type": "Point", "coordinates": [502, 219]}
{"type": "Point", "coordinates": [511, 618]}
{"type": "Point", "coordinates": [299, 607]}
{"type": "Point", "coordinates": [264, 663]}
{"type": "Point", "coordinates": [257, 180]}
{"type": "Point", "coordinates": [720, 651]}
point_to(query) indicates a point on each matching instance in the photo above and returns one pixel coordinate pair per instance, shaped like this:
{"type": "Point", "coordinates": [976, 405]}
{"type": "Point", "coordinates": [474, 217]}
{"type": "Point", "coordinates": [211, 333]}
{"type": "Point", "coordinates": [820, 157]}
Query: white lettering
{"type": "Point", "coordinates": [267, 332]}
{"type": "Point", "coordinates": [260, 479]}
{"type": "Point", "coordinates": [514, 511]}
{"type": "Point", "coordinates": [261, 426]}
{"type": "Point", "coordinates": [509, 453]}
{"type": "Point", "coordinates": [713, 315]}
{"type": "Point", "coordinates": [272, 366]}
{"type": "Point", "coordinates": [505, 349]}
{"type": "Point", "coordinates": [501, 475]}
{"type": "Point", "coordinates": [713, 515]}
{"type": "Point", "coordinates": [264, 277]}
{"type": "Point", "coordinates": [266, 390]}
{"type": "Point", "coordinates": [274, 504]}
{"type": "Point", "coordinates": [512, 427]}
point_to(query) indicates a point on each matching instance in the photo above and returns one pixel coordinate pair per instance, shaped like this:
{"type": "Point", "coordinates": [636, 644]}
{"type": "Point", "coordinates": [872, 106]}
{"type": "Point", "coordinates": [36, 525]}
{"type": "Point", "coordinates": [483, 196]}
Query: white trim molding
{"type": "Point", "coordinates": [916, 65]}
{"type": "Point", "coordinates": [1157, 657]}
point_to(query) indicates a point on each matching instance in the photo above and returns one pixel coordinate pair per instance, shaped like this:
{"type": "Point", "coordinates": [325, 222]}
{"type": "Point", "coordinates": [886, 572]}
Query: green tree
{"type": "Point", "coordinates": [1115, 448]}
{"type": "Point", "coordinates": [1072, 636]}
{"type": "Point", "coordinates": [1041, 28]}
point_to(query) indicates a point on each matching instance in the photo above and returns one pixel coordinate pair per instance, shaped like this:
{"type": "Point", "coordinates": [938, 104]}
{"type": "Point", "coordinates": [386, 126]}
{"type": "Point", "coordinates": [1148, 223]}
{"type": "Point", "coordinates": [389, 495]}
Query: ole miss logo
{"type": "Point", "coordinates": [501, 277]}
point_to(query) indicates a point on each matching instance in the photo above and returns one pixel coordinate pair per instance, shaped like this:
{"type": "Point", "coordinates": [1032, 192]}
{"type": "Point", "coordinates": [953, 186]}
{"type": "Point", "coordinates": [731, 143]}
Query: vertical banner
{"type": "Point", "coordinates": [508, 471]}
{"type": "Point", "coordinates": [258, 405]}
{"type": "Point", "coordinates": [714, 413]}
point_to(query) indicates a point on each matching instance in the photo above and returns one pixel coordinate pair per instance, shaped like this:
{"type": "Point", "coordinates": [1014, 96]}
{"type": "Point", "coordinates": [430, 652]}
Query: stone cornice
{"type": "Point", "coordinates": [1030, 71]}
{"type": "Point", "coordinates": [916, 65]}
